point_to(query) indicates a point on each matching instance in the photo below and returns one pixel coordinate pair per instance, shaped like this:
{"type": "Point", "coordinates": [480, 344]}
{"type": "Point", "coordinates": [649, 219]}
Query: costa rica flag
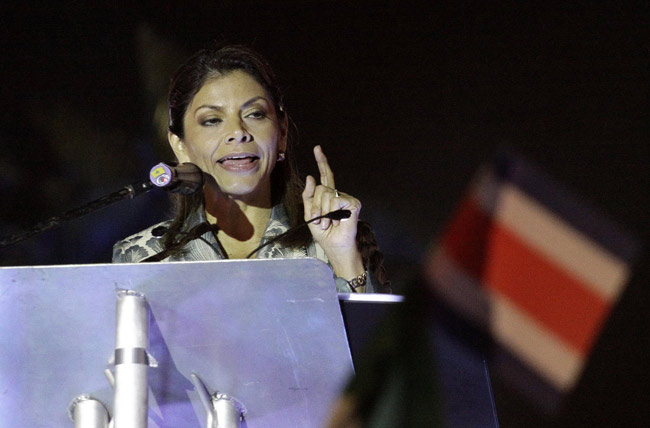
{"type": "Point", "coordinates": [536, 268]}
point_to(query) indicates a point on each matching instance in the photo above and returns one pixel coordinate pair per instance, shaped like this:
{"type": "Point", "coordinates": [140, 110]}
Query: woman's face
{"type": "Point", "coordinates": [232, 132]}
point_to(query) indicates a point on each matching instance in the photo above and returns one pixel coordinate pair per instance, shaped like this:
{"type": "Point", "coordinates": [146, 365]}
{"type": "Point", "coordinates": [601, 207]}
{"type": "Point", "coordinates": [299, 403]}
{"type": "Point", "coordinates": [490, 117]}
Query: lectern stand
{"type": "Point", "coordinates": [268, 332]}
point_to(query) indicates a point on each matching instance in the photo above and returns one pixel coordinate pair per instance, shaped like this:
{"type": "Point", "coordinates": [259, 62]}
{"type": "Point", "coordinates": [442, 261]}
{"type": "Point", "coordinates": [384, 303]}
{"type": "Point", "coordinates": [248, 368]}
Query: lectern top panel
{"type": "Point", "coordinates": [268, 332]}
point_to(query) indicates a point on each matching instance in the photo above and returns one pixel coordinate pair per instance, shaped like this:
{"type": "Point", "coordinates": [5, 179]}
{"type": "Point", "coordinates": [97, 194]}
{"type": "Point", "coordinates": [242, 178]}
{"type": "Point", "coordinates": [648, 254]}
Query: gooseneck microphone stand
{"type": "Point", "coordinates": [129, 191]}
{"type": "Point", "coordinates": [185, 178]}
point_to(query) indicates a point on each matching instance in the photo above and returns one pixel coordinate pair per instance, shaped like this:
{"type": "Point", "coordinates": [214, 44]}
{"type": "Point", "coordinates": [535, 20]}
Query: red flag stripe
{"type": "Point", "coordinates": [522, 335]}
{"type": "Point", "coordinates": [561, 243]}
{"type": "Point", "coordinates": [465, 239]}
{"type": "Point", "coordinates": [560, 301]}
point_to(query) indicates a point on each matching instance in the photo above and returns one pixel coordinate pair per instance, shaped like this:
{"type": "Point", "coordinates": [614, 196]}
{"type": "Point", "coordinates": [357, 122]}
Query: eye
{"type": "Point", "coordinates": [257, 114]}
{"type": "Point", "coordinates": [212, 121]}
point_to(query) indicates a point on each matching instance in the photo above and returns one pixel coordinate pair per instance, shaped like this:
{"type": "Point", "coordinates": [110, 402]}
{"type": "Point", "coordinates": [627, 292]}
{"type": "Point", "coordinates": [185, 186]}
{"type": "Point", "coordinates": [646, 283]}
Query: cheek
{"type": "Point", "coordinates": [198, 156]}
{"type": "Point", "coordinates": [199, 140]}
{"type": "Point", "coordinates": [199, 146]}
{"type": "Point", "coordinates": [272, 141]}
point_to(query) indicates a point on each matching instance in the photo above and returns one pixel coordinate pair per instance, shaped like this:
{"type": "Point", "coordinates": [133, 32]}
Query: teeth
{"type": "Point", "coordinates": [238, 158]}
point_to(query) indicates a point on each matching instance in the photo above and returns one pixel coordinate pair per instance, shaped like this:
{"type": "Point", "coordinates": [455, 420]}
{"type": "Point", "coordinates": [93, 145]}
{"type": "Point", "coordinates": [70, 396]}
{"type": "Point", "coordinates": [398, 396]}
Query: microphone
{"type": "Point", "coordinates": [185, 178]}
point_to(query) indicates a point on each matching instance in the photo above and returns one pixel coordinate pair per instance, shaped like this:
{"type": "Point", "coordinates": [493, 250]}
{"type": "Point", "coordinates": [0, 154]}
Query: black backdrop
{"type": "Point", "coordinates": [407, 98]}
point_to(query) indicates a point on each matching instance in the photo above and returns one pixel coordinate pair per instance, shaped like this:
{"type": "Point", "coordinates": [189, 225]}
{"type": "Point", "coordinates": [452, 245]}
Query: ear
{"type": "Point", "coordinates": [178, 146]}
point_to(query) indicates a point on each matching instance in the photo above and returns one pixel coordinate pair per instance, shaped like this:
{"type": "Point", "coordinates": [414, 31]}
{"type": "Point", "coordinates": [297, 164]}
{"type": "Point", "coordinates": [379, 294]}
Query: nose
{"type": "Point", "coordinates": [239, 134]}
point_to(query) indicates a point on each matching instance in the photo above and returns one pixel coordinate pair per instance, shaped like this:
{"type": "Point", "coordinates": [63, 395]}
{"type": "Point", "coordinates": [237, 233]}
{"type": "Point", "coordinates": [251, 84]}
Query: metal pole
{"type": "Point", "coordinates": [131, 361]}
{"type": "Point", "coordinates": [228, 410]}
{"type": "Point", "coordinates": [88, 412]}
{"type": "Point", "coordinates": [129, 191]}
{"type": "Point", "coordinates": [222, 410]}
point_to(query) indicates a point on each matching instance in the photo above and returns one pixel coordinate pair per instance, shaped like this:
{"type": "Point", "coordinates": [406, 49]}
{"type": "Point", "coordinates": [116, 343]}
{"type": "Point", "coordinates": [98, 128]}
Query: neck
{"type": "Point", "coordinates": [238, 220]}
{"type": "Point", "coordinates": [241, 223]}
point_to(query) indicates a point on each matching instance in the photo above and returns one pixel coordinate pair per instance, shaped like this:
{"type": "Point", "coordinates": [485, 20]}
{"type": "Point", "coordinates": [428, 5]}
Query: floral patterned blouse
{"type": "Point", "coordinates": [148, 243]}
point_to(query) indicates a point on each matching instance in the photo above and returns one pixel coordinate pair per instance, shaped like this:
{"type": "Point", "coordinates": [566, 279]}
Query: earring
{"type": "Point", "coordinates": [281, 156]}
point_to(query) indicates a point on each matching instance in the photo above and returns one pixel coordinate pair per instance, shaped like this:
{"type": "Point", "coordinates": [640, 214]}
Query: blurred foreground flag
{"type": "Point", "coordinates": [537, 269]}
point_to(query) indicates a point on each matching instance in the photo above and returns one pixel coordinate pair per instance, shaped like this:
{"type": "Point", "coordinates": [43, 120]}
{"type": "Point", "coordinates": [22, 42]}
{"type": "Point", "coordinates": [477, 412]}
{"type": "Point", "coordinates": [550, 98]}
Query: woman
{"type": "Point", "coordinates": [226, 116]}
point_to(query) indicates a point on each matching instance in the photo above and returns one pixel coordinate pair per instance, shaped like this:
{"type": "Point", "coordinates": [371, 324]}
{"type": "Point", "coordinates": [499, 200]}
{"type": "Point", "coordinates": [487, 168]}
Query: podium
{"type": "Point", "coordinates": [267, 332]}
{"type": "Point", "coordinates": [463, 378]}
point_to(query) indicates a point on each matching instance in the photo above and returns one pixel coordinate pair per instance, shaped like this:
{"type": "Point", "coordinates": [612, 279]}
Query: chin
{"type": "Point", "coordinates": [243, 191]}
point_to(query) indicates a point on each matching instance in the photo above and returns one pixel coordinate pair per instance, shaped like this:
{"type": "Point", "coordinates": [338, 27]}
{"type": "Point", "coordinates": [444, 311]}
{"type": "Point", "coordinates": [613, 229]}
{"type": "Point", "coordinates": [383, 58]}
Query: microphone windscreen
{"type": "Point", "coordinates": [162, 175]}
{"type": "Point", "coordinates": [185, 178]}
{"type": "Point", "coordinates": [339, 214]}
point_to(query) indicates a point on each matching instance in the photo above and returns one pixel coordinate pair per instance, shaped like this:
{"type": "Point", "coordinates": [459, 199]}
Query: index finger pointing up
{"type": "Point", "coordinates": [326, 174]}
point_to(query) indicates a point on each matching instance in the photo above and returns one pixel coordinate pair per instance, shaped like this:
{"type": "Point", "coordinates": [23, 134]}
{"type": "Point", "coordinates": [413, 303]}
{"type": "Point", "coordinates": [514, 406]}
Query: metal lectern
{"type": "Point", "coordinates": [268, 332]}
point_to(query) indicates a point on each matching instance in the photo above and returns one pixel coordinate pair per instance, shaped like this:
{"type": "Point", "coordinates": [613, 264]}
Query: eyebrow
{"type": "Point", "coordinates": [219, 108]}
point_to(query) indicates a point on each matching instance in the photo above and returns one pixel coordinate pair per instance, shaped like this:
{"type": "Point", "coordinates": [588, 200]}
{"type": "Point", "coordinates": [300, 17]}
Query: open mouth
{"type": "Point", "coordinates": [238, 159]}
{"type": "Point", "coordinates": [239, 162]}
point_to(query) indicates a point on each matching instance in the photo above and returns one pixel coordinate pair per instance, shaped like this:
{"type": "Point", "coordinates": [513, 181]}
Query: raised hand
{"type": "Point", "coordinates": [336, 237]}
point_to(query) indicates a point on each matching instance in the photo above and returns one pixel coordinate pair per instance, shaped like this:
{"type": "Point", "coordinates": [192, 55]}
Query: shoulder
{"type": "Point", "coordinates": [140, 245]}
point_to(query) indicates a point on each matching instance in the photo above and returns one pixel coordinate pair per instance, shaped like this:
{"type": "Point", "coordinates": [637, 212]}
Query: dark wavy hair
{"type": "Point", "coordinates": [286, 184]}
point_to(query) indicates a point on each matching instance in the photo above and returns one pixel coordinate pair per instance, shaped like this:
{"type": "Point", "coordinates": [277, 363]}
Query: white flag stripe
{"type": "Point", "coordinates": [534, 344]}
{"type": "Point", "coordinates": [558, 241]}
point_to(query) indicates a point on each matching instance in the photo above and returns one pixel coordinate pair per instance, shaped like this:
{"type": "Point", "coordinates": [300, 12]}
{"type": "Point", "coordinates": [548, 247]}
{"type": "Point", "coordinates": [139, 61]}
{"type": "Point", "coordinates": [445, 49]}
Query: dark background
{"type": "Point", "coordinates": [407, 99]}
